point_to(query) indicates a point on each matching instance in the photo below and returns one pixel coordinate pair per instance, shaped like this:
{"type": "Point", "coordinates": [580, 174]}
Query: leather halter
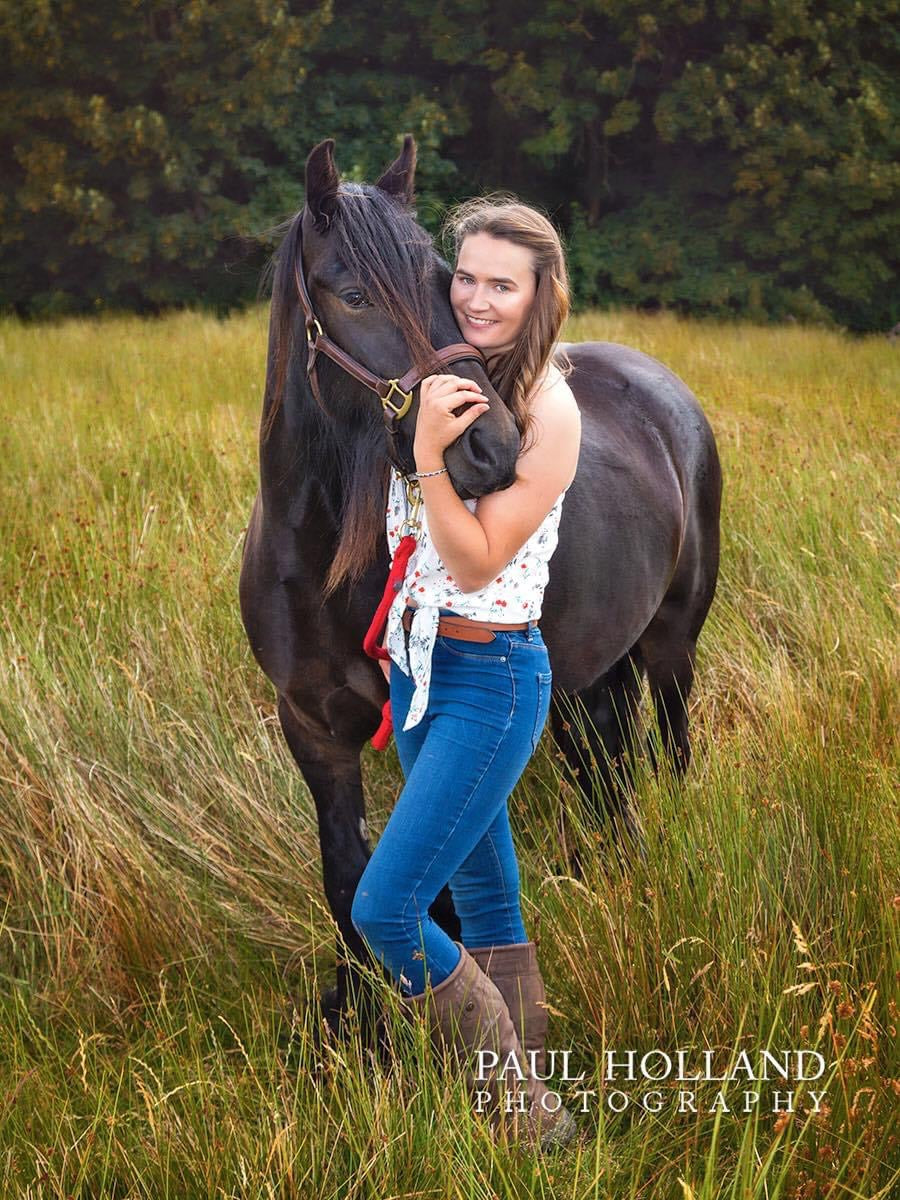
{"type": "Point", "coordinates": [318, 342]}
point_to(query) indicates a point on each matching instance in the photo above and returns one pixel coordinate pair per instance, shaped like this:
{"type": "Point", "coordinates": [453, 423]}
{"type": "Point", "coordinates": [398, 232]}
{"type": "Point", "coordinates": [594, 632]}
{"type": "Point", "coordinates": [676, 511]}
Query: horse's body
{"type": "Point", "coordinates": [631, 580]}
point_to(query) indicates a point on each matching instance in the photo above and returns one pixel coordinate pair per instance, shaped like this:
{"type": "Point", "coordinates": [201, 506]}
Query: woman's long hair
{"type": "Point", "coordinates": [515, 374]}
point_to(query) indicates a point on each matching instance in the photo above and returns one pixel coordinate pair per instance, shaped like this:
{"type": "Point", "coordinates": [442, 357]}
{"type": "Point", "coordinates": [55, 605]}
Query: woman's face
{"type": "Point", "coordinates": [492, 291]}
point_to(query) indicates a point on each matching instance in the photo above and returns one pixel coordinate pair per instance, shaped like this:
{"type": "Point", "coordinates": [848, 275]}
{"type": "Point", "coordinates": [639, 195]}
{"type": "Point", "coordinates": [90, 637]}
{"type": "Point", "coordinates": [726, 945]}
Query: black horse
{"type": "Point", "coordinates": [632, 577]}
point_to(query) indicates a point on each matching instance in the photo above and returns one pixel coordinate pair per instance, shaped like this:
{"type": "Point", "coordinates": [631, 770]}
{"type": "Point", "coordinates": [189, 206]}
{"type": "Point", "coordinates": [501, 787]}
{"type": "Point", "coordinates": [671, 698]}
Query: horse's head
{"type": "Point", "coordinates": [381, 292]}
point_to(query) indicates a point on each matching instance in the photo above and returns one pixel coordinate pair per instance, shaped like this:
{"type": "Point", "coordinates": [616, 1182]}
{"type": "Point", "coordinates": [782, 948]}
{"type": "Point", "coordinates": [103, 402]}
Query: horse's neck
{"type": "Point", "coordinates": [306, 463]}
{"type": "Point", "coordinates": [299, 463]}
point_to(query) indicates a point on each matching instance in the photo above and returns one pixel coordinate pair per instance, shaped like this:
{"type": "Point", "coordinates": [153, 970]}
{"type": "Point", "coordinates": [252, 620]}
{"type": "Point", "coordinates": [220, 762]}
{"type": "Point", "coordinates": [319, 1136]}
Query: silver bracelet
{"type": "Point", "coordinates": [425, 474]}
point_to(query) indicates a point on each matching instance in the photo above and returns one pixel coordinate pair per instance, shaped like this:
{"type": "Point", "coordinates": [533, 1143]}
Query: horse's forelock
{"type": "Point", "coordinates": [393, 257]}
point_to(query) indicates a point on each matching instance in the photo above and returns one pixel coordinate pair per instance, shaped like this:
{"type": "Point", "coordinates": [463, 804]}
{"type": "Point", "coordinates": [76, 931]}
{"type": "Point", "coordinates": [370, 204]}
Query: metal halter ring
{"type": "Point", "coordinates": [407, 399]}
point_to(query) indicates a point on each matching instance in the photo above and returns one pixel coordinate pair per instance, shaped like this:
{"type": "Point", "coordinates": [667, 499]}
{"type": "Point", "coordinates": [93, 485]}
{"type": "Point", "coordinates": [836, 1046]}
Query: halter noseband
{"type": "Point", "coordinates": [318, 342]}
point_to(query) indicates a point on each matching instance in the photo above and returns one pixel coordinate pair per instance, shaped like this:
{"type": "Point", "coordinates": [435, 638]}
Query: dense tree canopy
{"type": "Point", "coordinates": [721, 156]}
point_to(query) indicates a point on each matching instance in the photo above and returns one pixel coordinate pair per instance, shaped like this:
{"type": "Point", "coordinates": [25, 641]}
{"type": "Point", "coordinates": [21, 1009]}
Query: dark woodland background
{"type": "Point", "coordinates": [702, 155]}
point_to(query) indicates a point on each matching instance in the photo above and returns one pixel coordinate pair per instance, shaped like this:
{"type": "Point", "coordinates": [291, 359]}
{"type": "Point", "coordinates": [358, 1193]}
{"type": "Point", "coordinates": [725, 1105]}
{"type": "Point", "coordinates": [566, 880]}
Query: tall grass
{"type": "Point", "coordinates": [162, 900]}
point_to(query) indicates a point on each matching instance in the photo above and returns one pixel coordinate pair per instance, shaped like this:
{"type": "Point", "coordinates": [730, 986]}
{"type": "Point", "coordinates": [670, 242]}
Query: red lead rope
{"type": "Point", "coordinates": [394, 583]}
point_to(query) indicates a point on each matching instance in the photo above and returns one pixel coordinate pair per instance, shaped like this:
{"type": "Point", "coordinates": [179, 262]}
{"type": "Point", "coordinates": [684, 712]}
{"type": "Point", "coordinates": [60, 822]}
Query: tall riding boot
{"type": "Point", "coordinates": [467, 1012]}
{"type": "Point", "coordinates": [515, 971]}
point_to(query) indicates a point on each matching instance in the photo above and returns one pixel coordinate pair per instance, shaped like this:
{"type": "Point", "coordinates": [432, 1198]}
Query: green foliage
{"type": "Point", "coordinates": [729, 157]}
{"type": "Point", "coordinates": [148, 150]}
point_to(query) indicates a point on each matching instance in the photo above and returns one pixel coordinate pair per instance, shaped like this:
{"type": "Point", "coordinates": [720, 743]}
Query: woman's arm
{"type": "Point", "coordinates": [475, 547]}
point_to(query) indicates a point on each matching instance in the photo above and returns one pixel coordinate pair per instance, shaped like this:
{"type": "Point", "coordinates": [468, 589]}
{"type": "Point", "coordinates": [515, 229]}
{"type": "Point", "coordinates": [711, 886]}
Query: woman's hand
{"type": "Point", "coordinates": [436, 424]}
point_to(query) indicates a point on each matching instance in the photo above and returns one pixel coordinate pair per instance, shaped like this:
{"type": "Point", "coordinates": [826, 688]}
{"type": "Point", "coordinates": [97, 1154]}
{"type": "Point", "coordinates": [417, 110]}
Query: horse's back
{"type": "Point", "coordinates": [654, 386]}
{"type": "Point", "coordinates": [624, 393]}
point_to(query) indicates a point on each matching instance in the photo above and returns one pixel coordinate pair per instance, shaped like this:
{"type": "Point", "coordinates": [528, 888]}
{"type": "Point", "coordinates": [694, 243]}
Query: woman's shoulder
{"type": "Point", "coordinates": [557, 426]}
{"type": "Point", "coordinates": [552, 391]}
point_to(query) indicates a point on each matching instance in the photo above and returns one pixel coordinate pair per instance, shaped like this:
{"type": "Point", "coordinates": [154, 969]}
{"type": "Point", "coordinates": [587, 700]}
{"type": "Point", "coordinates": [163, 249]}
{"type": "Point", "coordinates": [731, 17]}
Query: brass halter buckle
{"type": "Point", "coordinates": [407, 399]}
{"type": "Point", "coordinates": [414, 500]}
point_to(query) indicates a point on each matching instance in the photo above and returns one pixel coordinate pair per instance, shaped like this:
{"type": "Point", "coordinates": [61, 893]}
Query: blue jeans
{"type": "Point", "coordinates": [487, 706]}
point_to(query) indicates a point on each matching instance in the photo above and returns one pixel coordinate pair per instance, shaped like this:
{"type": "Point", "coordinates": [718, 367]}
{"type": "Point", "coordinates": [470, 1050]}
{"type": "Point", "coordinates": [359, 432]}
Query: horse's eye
{"type": "Point", "coordinates": [355, 299]}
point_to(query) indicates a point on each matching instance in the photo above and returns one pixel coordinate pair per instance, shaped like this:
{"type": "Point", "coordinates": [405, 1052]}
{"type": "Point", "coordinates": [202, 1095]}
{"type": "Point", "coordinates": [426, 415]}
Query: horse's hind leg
{"type": "Point", "coordinates": [597, 731]}
{"type": "Point", "coordinates": [670, 652]}
{"type": "Point", "coordinates": [669, 643]}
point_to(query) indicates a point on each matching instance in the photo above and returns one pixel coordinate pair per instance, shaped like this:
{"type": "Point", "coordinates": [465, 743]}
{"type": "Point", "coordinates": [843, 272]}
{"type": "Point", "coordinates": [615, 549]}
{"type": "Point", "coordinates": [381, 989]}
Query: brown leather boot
{"type": "Point", "coordinates": [467, 1012]}
{"type": "Point", "coordinates": [515, 971]}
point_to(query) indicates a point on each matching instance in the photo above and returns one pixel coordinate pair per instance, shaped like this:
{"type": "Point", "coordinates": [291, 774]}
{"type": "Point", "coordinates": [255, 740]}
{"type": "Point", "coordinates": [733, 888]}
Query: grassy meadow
{"type": "Point", "coordinates": [162, 900]}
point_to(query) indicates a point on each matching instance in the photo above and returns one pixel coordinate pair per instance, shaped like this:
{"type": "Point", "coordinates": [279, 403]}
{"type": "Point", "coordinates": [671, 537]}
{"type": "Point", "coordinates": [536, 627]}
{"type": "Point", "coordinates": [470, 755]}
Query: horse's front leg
{"type": "Point", "coordinates": [332, 772]}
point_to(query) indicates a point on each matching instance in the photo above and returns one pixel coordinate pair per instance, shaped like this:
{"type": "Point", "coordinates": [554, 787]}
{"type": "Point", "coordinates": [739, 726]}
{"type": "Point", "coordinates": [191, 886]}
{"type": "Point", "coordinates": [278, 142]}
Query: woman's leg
{"type": "Point", "coordinates": [485, 889]}
{"type": "Point", "coordinates": [476, 745]}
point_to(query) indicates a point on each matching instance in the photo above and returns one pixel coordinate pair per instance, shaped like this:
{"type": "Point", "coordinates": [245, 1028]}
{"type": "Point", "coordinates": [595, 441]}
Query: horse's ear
{"type": "Point", "coordinates": [322, 181]}
{"type": "Point", "coordinates": [399, 179]}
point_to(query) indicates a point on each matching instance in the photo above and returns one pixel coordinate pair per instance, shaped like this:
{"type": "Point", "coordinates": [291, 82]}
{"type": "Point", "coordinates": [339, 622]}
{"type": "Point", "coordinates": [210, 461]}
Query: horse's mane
{"type": "Point", "coordinates": [380, 242]}
{"type": "Point", "coordinates": [393, 258]}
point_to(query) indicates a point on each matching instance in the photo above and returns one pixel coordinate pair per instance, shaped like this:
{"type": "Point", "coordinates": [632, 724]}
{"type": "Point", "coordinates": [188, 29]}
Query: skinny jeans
{"type": "Point", "coordinates": [487, 706]}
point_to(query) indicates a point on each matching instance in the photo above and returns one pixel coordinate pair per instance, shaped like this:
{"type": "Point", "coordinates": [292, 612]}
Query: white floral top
{"type": "Point", "coordinates": [515, 595]}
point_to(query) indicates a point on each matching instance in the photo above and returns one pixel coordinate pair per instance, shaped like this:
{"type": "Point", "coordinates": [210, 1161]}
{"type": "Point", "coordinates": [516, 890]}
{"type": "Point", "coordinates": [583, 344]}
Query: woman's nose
{"type": "Point", "coordinates": [479, 300]}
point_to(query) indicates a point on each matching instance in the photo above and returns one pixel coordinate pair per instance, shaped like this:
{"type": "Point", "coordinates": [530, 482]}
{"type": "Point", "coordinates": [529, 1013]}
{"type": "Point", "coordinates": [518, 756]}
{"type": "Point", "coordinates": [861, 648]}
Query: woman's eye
{"type": "Point", "coordinates": [355, 299]}
{"type": "Point", "coordinates": [502, 287]}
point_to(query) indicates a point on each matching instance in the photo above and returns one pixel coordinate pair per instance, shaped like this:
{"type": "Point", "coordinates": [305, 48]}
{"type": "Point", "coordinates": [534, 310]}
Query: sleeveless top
{"type": "Point", "coordinates": [514, 595]}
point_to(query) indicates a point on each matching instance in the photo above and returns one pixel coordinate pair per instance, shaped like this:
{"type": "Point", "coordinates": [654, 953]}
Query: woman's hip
{"type": "Point", "coordinates": [500, 686]}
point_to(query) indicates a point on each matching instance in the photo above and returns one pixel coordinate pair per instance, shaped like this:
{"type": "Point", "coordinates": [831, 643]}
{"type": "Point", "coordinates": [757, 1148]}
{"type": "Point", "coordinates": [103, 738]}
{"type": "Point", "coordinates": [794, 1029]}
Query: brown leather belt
{"type": "Point", "coordinates": [466, 628]}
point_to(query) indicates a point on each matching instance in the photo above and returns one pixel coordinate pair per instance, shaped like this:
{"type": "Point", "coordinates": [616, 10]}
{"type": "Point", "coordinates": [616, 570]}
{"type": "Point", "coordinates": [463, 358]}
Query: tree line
{"type": "Point", "coordinates": [711, 156]}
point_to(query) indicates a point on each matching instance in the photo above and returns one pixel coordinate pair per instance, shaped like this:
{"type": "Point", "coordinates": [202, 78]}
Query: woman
{"type": "Point", "coordinates": [468, 713]}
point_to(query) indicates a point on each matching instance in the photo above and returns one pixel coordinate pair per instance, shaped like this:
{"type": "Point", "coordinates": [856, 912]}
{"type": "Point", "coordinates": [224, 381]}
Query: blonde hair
{"type": "Point", "coordinates": [515, 374]}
